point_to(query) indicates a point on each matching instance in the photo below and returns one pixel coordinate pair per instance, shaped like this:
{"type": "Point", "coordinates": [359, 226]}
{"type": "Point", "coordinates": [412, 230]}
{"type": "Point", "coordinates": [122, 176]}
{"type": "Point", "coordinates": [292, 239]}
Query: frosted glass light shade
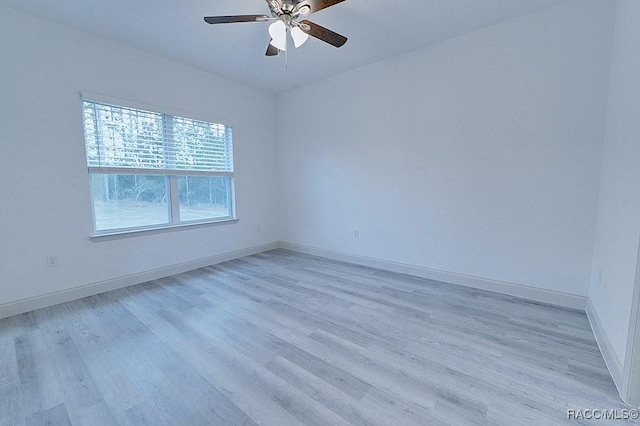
{"type": "Point", "coordinates": [299, 36]}
{"type": "Point", "coordinates": [278, 33]}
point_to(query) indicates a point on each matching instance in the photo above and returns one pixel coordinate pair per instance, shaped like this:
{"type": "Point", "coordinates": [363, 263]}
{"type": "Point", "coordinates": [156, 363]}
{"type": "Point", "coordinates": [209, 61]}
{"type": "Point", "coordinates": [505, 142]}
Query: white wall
{"type": "Point", "coordinates": [45, 205]}
{"type": "Point", "coordinates": [477, 156]}
{"type": "Point", "coordinates": [618, 229]}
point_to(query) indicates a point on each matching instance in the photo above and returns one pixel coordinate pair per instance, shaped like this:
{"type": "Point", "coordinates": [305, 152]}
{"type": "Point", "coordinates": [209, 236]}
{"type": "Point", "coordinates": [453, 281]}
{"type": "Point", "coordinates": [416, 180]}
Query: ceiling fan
{"type": "Point", "coordinates": [286, 15]}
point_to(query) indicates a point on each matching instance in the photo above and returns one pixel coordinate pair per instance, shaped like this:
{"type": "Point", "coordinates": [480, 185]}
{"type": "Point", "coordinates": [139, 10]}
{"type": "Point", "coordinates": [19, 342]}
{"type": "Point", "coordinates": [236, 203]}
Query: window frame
{"type": "Point", "coordinates": [171, 176]}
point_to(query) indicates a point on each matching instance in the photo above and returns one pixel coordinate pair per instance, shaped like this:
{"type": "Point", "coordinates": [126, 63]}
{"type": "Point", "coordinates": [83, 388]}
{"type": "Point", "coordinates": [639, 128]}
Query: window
{"type": "Point", "coordinates": [155, 170]}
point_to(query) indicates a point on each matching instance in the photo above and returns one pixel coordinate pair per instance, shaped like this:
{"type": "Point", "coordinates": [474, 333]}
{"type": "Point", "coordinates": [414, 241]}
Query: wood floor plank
{"type": "Point", "coordinates": [191, 383]}
{"type": "Point", "coordinates": [285, 310]}
{"type": "Point", "coordinates": [38, 382]}
{"type": "Point", "coordinates": [8, 362]}
{"type": "Point", "coordinates": [80, 391]}
{"type": "Point", "coordinates": [283, 338]}
{"type": "Point", "coordinates": [11, 412]}
{"type": "Point", "coordinates": [23, 323]}
{"type": "Point", "coordinates": [98, 414]}
{"type": "Point", "coordinates": [256, 391]}
{"type": "Point", "coordinates": [57, 415]}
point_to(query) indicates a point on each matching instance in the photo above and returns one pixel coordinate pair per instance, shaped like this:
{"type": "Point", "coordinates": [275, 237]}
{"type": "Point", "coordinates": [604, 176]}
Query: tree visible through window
{"type": "Point", "coordinates": [151, 169]}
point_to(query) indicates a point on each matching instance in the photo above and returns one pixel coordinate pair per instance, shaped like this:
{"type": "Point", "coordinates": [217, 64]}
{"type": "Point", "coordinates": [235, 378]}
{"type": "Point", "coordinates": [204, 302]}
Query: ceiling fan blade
{"type": "Point", "coordinates": [316, 5]}
{"type": "Point", "coordinates": [272, 50]}
{"type": "Point", "coordinates": [234, 19]}
{"type": "Point", "coordinates": [323, 34]}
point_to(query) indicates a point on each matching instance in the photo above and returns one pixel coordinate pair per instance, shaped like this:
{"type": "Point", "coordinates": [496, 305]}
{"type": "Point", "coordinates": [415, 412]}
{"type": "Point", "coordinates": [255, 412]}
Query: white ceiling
{"type": "Point", "coordinates": [377, 29]}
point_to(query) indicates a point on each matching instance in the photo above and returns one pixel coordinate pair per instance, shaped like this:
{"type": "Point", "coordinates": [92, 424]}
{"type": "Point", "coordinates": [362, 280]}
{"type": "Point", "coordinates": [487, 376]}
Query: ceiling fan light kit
{"type": "Point", "coordinates": [285, 14]}
{"type": "Point", "coordinates": [299, 37]}
{"type": "Point", "coordinates": [278, 33]}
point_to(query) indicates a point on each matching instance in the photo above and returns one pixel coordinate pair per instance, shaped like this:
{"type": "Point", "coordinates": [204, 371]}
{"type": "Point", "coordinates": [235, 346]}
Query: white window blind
{"type": "Point", "coordinates": [121, 139]}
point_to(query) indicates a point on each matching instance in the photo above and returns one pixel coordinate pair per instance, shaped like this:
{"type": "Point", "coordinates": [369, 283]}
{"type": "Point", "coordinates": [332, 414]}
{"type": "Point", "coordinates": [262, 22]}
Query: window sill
{"type": "Point", "coordinates": [130, 233]}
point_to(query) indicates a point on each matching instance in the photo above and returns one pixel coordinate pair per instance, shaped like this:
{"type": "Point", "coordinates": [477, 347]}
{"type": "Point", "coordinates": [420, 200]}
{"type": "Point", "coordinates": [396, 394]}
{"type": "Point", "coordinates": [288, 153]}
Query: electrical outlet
{"type": "Point", "coordinates": [356, 233]}
{"type": "Point", "coordinates": [52, 261]}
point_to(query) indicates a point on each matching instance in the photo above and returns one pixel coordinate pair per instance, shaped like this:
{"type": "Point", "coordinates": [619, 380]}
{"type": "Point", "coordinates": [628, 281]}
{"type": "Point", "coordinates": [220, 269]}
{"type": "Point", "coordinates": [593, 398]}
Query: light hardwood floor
{"type": "Point", "coordinates": [283, 338]}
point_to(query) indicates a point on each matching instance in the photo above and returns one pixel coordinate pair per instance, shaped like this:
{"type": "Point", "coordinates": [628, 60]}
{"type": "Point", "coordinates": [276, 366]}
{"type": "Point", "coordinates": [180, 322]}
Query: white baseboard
{"type": "Point", "coordinates": [613, 362]}
{"type": "Point", "coordinates": [531, 293]}
{"type": "Point", "coordinates": [50, 299]}
{"type": "Point", "coordinates": [539, 295]}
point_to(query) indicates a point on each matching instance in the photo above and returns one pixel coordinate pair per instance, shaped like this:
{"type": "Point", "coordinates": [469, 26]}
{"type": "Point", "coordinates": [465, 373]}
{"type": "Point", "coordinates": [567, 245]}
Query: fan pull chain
{"type": "Point", "coordinates": [286, 52]}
